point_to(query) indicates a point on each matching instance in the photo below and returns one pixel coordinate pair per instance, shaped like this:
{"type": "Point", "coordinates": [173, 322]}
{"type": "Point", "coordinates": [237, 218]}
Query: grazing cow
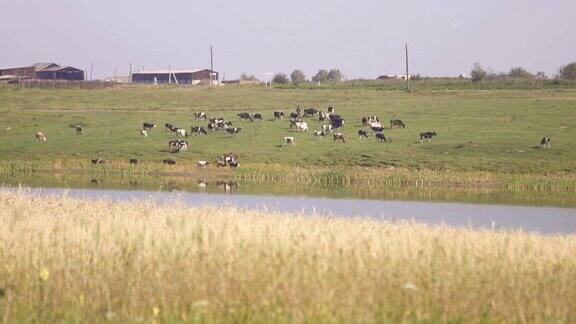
{"type": "Point", "coordinates": [287, 140]}
{"type": "Point", "coordinates": [203, 164]}
{"type": "Point", "coordinates": [177, 145]}
{"type": "Point", "coordinates": [310, 112]}
{"type": "Point", "coordinates": [427, 135]}
{"type": "Point", "coordinates": [233, 130]}
{"type": "Point", "coordinates": [40, 137]}
{"type": "Point", "coordinates": [545, 142]}
{"type": "Point", "coordinates": [211, 126]}
{"type": "Point", "coordinates": [202, 131]}
{"type": "Point", "coordinates": [278, 114]}
{"type": "Point", "coordinates": [199, 115]}
{"type": "Point", "coordinates": [367, 120]}
{"type": "Point", "coordinates": [233, 164]}
{"type": "Point", "coordinates": [220, 164]}
{"type": "Point", "coordinates": [133, 161]}
{"type": "Point", "coordinates": [301, 126]}
{"type": "Point", "coordinates": [293, 121]}
{"type": "Point", "coordinates": [181, 132]}
{"type": "Point", "coordinates": [148, 126]}
{"type": "Point", "coordinates": [322, 116]}
{"type": "Point", "coordinates": [327, 128]}
{"type": "Point", "coordinates": [144, 133]}
{"type": "Point", "coordinates": [294, 115]}
{"type": "Point", "coordinates": [380, 137]}
{"type": "Point", "coordinates": [244, 115]}
{"type": "Point", "coordinates": [169, 161]}
{"type": "Point", "coordinates": [257, 116]}
{"type": "Point", "coordinates": [362, 132]}
{"type": "Point", "coordinates": [377, 129]}
{"type": "Point", "coordinates": [339, 136]}
{"type": "Point", "coordinates": [228, 157]}
{"type": "Point", "coordinates": [397, 123]}
{"type": "Point", "coordinates": [331, 110]}
{"type": "Point", "coordinates": [97, 161]}
{"type": "Point", "coordinates": [194, 129]}
{"type": "Point", "coordinates": [79, 130]}
{"type": "Point", "coordinates": [169, 127]}
{"type": "Point", "coordinates": [319, 134]}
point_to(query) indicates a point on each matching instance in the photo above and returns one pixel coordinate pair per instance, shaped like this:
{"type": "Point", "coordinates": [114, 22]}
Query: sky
{"type": "Point", "coordinates": [362, 38]}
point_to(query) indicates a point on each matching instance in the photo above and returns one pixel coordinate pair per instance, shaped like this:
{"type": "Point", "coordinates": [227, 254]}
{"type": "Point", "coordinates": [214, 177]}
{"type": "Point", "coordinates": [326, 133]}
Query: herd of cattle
{"type": "Point", "coordinates": [331, 124]}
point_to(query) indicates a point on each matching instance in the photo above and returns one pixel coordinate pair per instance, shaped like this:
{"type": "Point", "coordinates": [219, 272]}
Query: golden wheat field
{"type": "Point", "coordinates": [69, 260]}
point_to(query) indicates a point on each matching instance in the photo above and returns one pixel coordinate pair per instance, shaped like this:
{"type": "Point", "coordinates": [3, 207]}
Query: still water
{"type": "Point", "coordinates": [545, 220]}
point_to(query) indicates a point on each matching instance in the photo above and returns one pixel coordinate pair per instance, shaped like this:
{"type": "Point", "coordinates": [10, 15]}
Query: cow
{"type": "Point", "coordinates": [257, 116]}
{"type": "Point", "coordinates": [233, 130]}
{"type": "Point", "coordinates": [301, 126]}
{"type": "Point", "coordinates": [545, 142]}
{"type": "Point", "coordinates": [144, 133]}
{"type": "Point", "coordinates": [336, 121]}
{"type": "Point", "coordinates": [233, 164]}
{"type": "Point", "coordinates": [377, 129]}
{"type": "Point", "coordinates": [339, 136]}
{"type": "Point", "coordinates": [322, 116]}
{"type": "Point", "coordinates": [177, 145]}
{"type": "Point", "coordinates": [40, 137]}
{"type": "Point", "coordinates": [220, 164]}
{"type": "Point", "coordinates": [212, 126]}
{"type": "Point", "coordinates": [203, 164]}
{"type": "Point", "coordinates": [169, 127]}
{"type": "Point", "coordinates": [200, 115]}
{"type": "Point", "coordinates": [97, 161]}
{"type": "Point", "coordinates": [327, 128]}
{"type": "Point", "coordinates": [133, 161]}
{"type": "Point", "coordinates": [244, 115]}
{"type": "Point", "coordinates": [278, 114]}
{"type": "Point", "coordinates": [331, 110]}
{"type": "Point", "coordinates": [380, 137]}
{"type": "Point", "coordinates": [228, 157]}
{"type": "Point", "coordinates": [181, 132]}
{"type": "Point", "coordinates": [362, 132]}
{"type": "Point", "coordinates": [148, 126]}
{"type": "Point", "coordinates": [319, 134]}
{"type": "Point", "coordinates": [294, 115]}
{"type": "Point", "coordinates": [310, 112]}
{"type": "Point", "coordinates": [79, 130]}
{"type": "Point", "coordinates": [293, 121]}
{"type": "Point", "coordinates": [201, 131]}
{"type": "Point", "coordinates": [427, 135]}
{"type": "Point", "coordinates": [397, 122]}
{"type": "Point", "coordinates": [169, 161]}
{"type": "Point", "coordinates": [287, 140]}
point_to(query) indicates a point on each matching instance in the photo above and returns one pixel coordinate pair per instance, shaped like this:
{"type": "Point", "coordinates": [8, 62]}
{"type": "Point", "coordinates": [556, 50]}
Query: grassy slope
{"type": "Point", "coordinates": [76, 261]}
{"type": "Point", "coordinates": [478, 130]}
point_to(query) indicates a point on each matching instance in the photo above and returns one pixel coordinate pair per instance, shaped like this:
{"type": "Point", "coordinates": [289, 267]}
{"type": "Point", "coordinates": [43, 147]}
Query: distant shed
{"type": "Point", "coordinates": [175, 76]}
{"type": "Point", "coordinates": [44, 71]}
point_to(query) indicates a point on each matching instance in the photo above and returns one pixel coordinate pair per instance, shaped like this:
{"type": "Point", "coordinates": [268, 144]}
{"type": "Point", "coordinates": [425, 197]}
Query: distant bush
{"type": "Point", "coordinates": [568, 72]}
{"type": "Point", "coordinates": [478, 73]}
{"type": "Point", "coordinates": [520, 73]}
{"type": "Point", "coordinates": [334, 75]}
{"type": "Point", "coordinates": [298, 76]}
{"type": "Point", "coordinates": [321, 76]}
{"type": "Point", "coordinates": [246, 77]}
{"type": "Point", "coordinates": [280, 78]}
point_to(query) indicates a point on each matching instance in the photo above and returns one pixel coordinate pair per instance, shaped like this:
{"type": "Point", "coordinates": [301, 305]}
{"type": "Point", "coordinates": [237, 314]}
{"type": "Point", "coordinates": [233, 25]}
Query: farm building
{"type": "Point", "coordinates": [394, 76]}
{"type": "Point", "coordinates": [44, 71]}
{"type": "Point", "coordinates": [175, 76]}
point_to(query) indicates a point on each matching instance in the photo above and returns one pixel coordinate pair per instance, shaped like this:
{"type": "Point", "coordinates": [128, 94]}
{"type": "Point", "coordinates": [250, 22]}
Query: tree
{"type": "Point", "coordinates": [541, 75]}
{"type": "Point", "coordinates": [297, 76]}
{"type": "Point", "coordinates": [478, 73]}
{"type": "Point", "coordinates": [246, 77]}
{"type": "Point", "coordinates": [568, 71]}
{"type": "Point", "coordinates": [519, 73]}
{"type": "Point", "coordinates": [280, 78]}
{"type": "Point", "coordinates": [334, 75]}
{"type": "Point", "coordinates": [321, 76]}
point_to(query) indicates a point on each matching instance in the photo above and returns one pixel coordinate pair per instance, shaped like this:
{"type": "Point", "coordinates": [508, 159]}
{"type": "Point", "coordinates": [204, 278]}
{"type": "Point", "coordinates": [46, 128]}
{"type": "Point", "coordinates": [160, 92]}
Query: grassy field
{"type": "Point", "coordinates": [495, 131]}
{"type": "Point", "coordinates": [73, 260]}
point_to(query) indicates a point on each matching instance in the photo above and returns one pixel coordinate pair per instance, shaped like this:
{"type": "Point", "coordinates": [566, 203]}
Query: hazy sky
{"type": "Point", "coordinates": [361, 38]}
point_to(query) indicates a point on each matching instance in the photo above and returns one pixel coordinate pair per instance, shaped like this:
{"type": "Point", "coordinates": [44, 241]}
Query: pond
{"type": "Point", "coordinates": [476, 209]}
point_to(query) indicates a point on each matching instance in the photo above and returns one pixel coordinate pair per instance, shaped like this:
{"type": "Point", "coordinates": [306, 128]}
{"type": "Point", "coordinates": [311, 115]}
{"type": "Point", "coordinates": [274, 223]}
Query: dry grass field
{"type": "Point", "coordinates": [94, 261]}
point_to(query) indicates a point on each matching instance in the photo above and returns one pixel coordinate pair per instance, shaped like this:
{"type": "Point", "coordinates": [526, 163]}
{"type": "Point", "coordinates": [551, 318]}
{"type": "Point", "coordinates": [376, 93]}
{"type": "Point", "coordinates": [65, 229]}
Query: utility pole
{"type": "Point", "coordinates": [407, 75]}
{"type": "Point", "coordinates": [91, 70]}
{"type": "Point", "coordinates": [130, 74]}
{"type": "Point", "coordinates": [211, 63]}
{"type": "Point", "coordinates": [169, 74]}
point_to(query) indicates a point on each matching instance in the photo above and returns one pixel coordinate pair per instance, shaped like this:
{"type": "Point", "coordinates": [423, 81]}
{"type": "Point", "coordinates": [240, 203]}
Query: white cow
{"type": "Point", "coordinates": [144, 133]}
{"type": "Point", "coordinates": [301, 126]}
{"type": "Point", "coordinates": [181, 132]}
{"type": "Point", "coordinates": [287, 140]}
{"type": "Point", "coordinates": [327, 128]}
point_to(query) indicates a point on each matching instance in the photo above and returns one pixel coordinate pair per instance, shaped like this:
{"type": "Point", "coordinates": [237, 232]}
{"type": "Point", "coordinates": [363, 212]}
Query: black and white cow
{"type": "Point", "coordinates": [148, 126]}
{"type": "Point", "coordinates": [203, 164]}
{"type": "Point", "coordinates": [233, 130]}
{"type": "Point", "coordinates": [133, 161]}
{"type": "Point", "coordinates": [331, 110]}
{"type": "Point", "coordinates": [310, 112]}
{"type": "Point", "coordinates": [97, 161]}
{"type": "Point", "coordinates": [200, 115]}
{"type": "Point", "coordinates": [177, 145]}
{"type": "Point", "coordinates": [79, 130]}
{"type": "Point", "coordinates": [380, 137]}
{"type": "Point", "coordinates": [362, 133]}
{"type": "Point", "coordinates": [319, 134]}
{"type": "Point", "coordinates": [322, 116]}
{"type": "Point", "coordinates": [397, 123]}
{"type": "Point", "coordinates": [244, 115]}
{"type": "Point", "coordinates": [545, 142]}
{"type": "Point", "coordinates": [339, 136]}
{"type": "Point", "coordinates": [257, 116]}
{"type": "Point", "coordinates": [169, 161]}
{"type": "Point", "coordinates": [170, 127]}
{"type": "Point", "coordinates": [336, 121]}
{"type": "Point", "coordinates": [377, 129]}
{"type": "Point", "coordinates": [427, 136]}
{"type": "Point", "coordinates": [278, 114]}
{"type": "Point", "coordinates": [288, 140]}
{"type": "Point", "coordinates": [294, 115]}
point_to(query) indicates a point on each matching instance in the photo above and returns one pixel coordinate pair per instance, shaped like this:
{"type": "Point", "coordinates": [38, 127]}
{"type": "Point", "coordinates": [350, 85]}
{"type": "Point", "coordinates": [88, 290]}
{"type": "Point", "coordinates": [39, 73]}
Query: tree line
{"type": "Point", "coordinates": [298, 76]}
{"type": "Point", "coordinates": [479, 73]}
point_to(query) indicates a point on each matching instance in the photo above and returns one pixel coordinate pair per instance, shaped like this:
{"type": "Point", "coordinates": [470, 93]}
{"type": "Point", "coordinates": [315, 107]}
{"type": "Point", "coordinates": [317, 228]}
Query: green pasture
{"type": "Point", "coordinates": [493, 130]}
